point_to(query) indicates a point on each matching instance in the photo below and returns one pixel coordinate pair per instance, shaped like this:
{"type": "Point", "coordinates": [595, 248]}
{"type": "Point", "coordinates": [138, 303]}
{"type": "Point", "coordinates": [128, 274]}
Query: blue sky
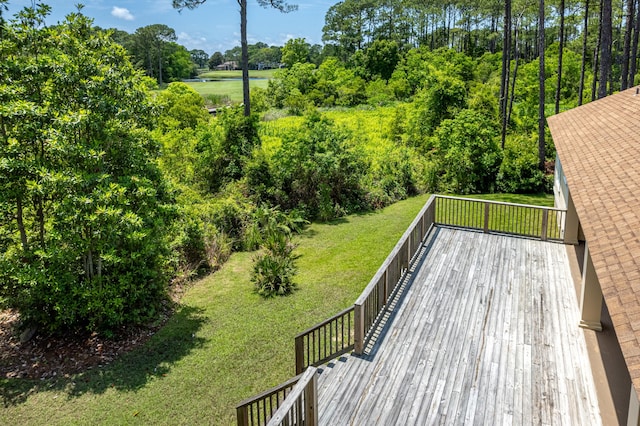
{"type": "Point", "coordinates": [214, 26]}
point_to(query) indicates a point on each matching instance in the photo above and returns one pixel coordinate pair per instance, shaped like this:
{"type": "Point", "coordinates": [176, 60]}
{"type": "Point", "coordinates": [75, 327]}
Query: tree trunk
{"type": "Point", "coordinates": [634, 49]}
{"type": "Point", "coordinates": [515, 69]}
{"type": "Point", "coordinates": [21, 227]}
{"type": "Point", "coordinates": [596, 55]}
{"type": "Point", "coordinates": [160, 62]}
{"type": "Point", "coordinates": [506, 62]}
{"type": "Point", "coordinates": [245, 57]}
{"type": "Point", "coordinates": [560, 49]}
{"type": "Point", "coordinates": [605, 48]}
{"type": "Point", "coordinates": [626, 50]}
{"type": "Point", "coordinates": [585, 34]}
{"type": "Point", "coordinates": [541, 76]}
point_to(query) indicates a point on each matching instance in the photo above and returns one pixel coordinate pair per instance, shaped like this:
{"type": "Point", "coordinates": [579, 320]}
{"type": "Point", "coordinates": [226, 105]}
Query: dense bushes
{"type": "Point", "coordinates": [86, 212]}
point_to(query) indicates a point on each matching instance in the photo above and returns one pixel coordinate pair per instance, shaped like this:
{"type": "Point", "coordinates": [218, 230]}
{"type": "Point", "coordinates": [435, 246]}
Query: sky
{"type": "Point", "coordinates": [213, 26]}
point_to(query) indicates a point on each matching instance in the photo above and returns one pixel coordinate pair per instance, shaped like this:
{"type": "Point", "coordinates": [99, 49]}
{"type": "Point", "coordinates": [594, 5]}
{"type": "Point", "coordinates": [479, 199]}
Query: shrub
{"type": "Point", "coordinates": [275, 266]}
{"type": "Point", "coordinates": [466, 153]}
{"type": "Point", "coordinates": [519, 172]}
{"type": "Point", "coordinates": [315, 170]}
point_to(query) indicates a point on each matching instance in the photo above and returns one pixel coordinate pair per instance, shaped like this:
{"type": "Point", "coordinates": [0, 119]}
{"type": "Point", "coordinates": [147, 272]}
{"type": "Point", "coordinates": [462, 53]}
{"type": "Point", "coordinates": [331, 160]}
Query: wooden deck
{"type": "Point", "coordinates": [484, 331]}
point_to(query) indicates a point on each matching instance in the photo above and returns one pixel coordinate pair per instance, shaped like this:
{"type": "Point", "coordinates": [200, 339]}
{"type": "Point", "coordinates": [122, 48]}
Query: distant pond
{"type": "Point", "coordinates": [209, 80]}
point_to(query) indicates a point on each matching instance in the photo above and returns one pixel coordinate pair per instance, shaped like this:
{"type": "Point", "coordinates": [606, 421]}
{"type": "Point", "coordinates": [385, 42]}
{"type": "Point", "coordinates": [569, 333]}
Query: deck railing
{"type": "Point", "coordinates": [301, 405]}
{"type": "Point", "coordinates": [257, 410]}
{"type": "Point", "coordinates": [375, 296]}
{"type": "Point", "coordinates": [545, 223]}
{"type": "Point", "coordinates": [325, 341]}
{"type": "Point", "coordinates": [296, 399]}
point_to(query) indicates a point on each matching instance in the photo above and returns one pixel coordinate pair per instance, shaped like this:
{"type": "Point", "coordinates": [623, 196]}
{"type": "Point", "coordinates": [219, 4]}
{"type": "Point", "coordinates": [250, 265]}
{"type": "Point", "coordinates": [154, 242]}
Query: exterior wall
{"type": "Point", "coordinates": [562, 200]}
{"type": "Point", "coordinates": [560, 187]}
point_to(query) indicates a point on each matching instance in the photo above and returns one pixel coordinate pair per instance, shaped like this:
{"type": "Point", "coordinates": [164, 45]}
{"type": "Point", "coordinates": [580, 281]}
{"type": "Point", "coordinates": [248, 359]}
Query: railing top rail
{"type": "Point", "coordinates": [372, 284]}
{"type": "Point", "coordinates": [269, 392]}
{"type": "Point", "coordinates": [480, 200]}
{"type": "Point", "coordinates": [292, 397]}
{"type": "Point", "coordinates": [325, 322]}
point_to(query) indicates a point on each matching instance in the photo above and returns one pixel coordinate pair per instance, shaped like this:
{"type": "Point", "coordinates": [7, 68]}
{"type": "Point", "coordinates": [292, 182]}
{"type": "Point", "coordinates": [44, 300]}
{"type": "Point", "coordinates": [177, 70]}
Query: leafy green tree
{"type": "Point", "coordinates": [216, 59]}
{"type": "Point", "coordinates": [181, 107]}
{"type": "Point", "coordinates": [467, 153]}
{"type": "Point", "coordinates": [199, 57]}
{"type": "Point", "coordinates": [85, 208]}
{"type": "Point", "coordinates": [382, 57]}
{"type": "Point", "coordinates": [281, 5]}
{"type": "Point", "coordinates": [317, 171]}
{"type": "Point", "coordinates": [225, 148]}
{"type": "Point", "coordinates": [177, 63]}
{"type": "Point", "coordinates": [441, 99]}
{"type": "Point", "coordinates": [149, 48]}
{"type": "Point", "coordinates": [294, 51]}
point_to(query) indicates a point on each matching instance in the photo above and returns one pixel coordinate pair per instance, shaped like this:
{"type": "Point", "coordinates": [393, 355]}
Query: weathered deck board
{"type": "Point", "coordinates": [484, 332]}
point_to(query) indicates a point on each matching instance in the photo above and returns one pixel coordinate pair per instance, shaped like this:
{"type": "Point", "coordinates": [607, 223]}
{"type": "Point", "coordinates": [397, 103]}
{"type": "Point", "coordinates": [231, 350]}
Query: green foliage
{"type": "Point", "coordinates": [382, 56]}
{"type": "Point", "coordinates": [85, 209]}
{"type": "Point", "coordinates": [275, 266]}
{"type": "Point", "coordinates": [440, 101]}
{"type": "Point", "coordinates": [225, 147]}
{"type": "Point", "coordinates": [519, 172]}
{"type": "Point", "coordinates": [315, 170]}
{"type": "Point", "coordinates": [181, 108]}
{"type": "Point", "coordinates": [466, 154]}
{"type": "Point", "coordinates": [295, 50]}
{"type": "Point", "coordinates": [300, 76]}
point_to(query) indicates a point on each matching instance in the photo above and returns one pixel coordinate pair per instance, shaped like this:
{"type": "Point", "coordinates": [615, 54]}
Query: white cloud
{"type": "Point", "coordinates": [122, 13]}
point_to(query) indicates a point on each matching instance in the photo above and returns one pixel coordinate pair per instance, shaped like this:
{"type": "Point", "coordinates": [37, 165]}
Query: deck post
{"type": "Point", "coordinates": [358, 332]}
{"type": "Point", "coordinates": [545, 222]}
{"type": "Point", "coordinates": [486, 217]}
{"type": "Point", "coordinates": [242, 416]}
{"type": "Point", "coordinates": [299, 354]}
{"type": "Point", "coordinates": [311, 402]}
{"type": "Point", "coordinates": [591, 297]}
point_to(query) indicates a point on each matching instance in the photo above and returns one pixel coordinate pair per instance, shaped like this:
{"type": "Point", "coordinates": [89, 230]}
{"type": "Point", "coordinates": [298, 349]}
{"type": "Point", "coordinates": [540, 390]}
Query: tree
{"type": "Point", "coordinates": [541, 92]}
{"type": "Point", "coordinates": [560, 51]}
{"type": "Point", "coordinates": [382, 57]}
{"type": "Point", "coordinates": [280, 5]}
{"type": "Point", "coordinates": [85, 210]}
{"type": "Point", "coordinates": [585, 37]}
{"type": "Point", "coordinates": [199, 57]}
{"type": "Point", "coordinates": [605, 48]}
{"type": "Point", "coordinates": [506, 70]}
{"type": "Point", "coordinates": [295, 50]}
{"type": "Point", "coordinates": [151, 40]}
{"type": "Point", "coordinates": [215, 60]}
{"type": "Point", "coordinates": [626, 52]}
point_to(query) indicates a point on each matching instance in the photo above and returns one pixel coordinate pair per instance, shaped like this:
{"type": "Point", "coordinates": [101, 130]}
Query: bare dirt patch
{"type": "Point", "coordinates": [45, 357]}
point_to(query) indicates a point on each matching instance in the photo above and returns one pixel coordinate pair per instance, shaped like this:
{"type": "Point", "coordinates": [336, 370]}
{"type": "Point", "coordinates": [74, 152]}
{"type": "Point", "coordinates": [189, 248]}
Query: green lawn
{"type": "Point", "coordinates": [229, 83]}
{"type": "Point", "coordinates": [225, 343]}
{"type": "Point", "coordinates": [238, 74]}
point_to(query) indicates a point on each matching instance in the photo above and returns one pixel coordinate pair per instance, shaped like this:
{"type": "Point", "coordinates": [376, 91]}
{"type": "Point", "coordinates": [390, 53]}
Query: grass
{"type": "Point", "coordinates": [225, 343]}
{"type": "Point", "coordinates": [230, 88]}
{"type": "Point", "coordinates": [238, 74]}
{"type": "Point", "coordinates": [229, 83]}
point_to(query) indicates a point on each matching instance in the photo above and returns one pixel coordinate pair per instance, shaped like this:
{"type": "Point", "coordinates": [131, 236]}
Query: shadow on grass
{"type": "Point", "coordinates": [130, 371]}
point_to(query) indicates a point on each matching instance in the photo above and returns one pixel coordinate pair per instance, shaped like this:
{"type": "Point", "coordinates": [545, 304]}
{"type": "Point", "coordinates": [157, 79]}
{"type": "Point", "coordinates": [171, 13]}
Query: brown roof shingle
{"type": "Point", "coordinates": [599, 147]}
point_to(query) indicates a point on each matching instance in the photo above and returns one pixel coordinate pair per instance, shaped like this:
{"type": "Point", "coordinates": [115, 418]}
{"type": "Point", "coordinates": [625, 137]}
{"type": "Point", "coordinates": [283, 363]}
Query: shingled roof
{"type": "Point", "coordinates": [599, 147]}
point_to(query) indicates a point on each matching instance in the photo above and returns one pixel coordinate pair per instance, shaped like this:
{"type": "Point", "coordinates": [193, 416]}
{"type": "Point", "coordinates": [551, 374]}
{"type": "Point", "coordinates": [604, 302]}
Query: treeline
{"type": "Point", "coordinates": [602, 32]}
